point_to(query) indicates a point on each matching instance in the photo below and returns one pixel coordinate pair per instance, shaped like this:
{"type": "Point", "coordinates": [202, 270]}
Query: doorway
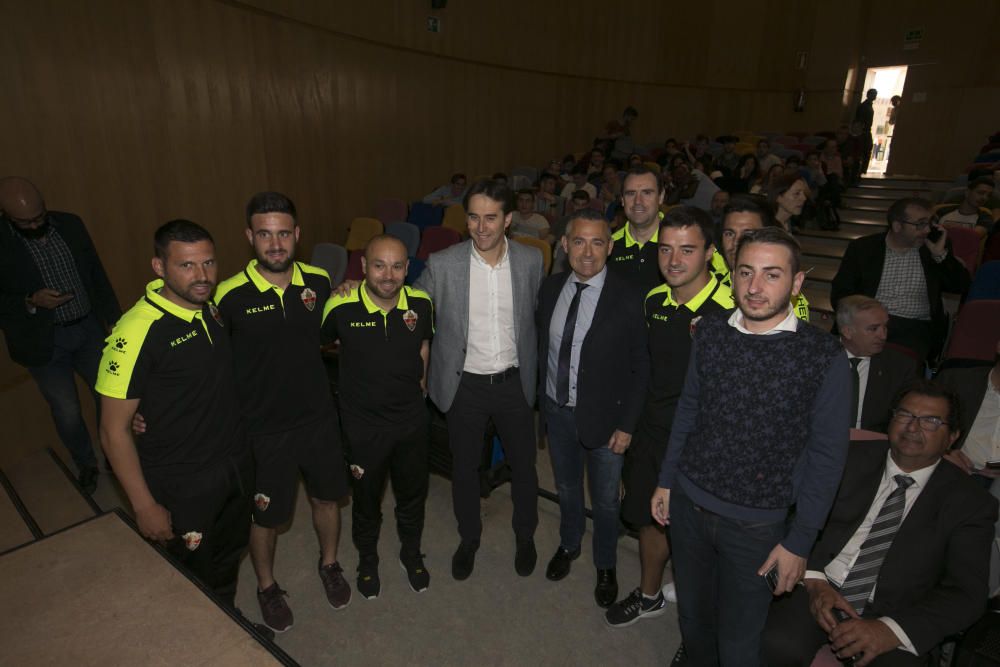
{"type": "Point", "coordinates": [888, 81]}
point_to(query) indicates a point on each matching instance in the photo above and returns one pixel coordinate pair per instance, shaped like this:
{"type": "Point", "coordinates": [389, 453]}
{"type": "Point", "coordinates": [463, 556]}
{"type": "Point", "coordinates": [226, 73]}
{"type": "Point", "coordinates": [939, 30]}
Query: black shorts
{"type": "Point", "coordinates": [641, 473]}
{"type": "Point", "coordinates": [313, 450]}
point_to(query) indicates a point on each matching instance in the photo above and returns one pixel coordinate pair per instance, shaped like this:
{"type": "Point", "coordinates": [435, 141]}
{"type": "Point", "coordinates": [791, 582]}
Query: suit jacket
{"type": "Point", "coordinates": [446, 279]}
{"type": "Point", "coordinates": [970, 385]}
{"type": "Point", "coordinates": [29, 336]}
{"type": "Point", "coordinates": [933, 580]}
{"type": "Point", "coordinates": [888, 372]}
{"type": "Point", "coordinates": [861, 270]}
{"type": "Point", "coordinates": [614, 360]}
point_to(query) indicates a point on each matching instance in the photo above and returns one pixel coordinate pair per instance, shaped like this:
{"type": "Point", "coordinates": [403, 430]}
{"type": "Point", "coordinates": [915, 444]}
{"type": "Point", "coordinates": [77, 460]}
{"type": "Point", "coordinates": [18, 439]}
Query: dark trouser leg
{"type": "Point", "coordinates": [791, 636]}
{"type": "Point", "coordinates": [567, 467]}
{"type": "Point", "coordinates": [409, 471]}
{"type": "Point", "coordinates": [916, 335]}
{"type": "Point", "coordinates": [231, 530]}
{"type": "Point", "coordinates": [57, 383]}
{"type": "Point", "coordinates": [370, 451]}
{"type": "Point", "coordinates": [515, 422]}
{"type": "Point", "coordinates": [604, 472]}
{"type": "Point", "coordinates": [467, 420]}
{"type": "Point", "coordinates": [696, 575]}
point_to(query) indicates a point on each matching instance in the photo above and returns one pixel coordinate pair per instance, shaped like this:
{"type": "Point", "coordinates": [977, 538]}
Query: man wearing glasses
{"type": "Point", "coordinates": [906, 268]}
{"type": "Point", "coordinates": [903, 559]}
{"type": "Point", "coordinates": [56, 307]}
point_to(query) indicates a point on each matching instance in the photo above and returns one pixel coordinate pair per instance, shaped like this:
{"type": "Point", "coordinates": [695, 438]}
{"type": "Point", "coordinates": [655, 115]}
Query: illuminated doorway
{"type": "Point", "coordinates": [888, 81]}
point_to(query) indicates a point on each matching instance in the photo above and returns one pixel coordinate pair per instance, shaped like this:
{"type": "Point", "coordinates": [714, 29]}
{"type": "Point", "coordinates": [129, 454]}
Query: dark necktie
{"type": "Point", "coordinates": [860, 581]}
{"type": "Point", "coordinates": [855, 389]}
{"type": "Point", "coordinates": [566, 348]}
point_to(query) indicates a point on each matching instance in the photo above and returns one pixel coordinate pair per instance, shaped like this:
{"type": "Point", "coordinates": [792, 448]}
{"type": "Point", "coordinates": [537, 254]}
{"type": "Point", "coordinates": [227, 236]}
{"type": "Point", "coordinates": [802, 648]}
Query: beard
{"type": "Point", "coordinates": [32, 233]}
{"type": "Point", "coordinates": [275, 267]}
{"type": "Point", "coordinates": [772, 309]}
{"type": "Point", "coordinates": [189, 294]}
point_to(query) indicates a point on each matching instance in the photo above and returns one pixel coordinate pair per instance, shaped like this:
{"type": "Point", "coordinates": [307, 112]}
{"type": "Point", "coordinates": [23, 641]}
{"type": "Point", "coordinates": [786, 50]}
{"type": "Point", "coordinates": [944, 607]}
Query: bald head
{"type": "Point", "coordinates": [20, 199]}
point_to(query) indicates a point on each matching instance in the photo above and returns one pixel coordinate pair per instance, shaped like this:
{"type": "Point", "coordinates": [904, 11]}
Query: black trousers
{"type": "Point", "coordinates": [476, 402]}
{"type": "Point", "coordinates": [792, 636]}
{"type": "Point", "coordinates": [210, 513]}
{"type": "Point", "coordinates": [398, 455]}
{"type": "Point", "coordinates": [918, 335]}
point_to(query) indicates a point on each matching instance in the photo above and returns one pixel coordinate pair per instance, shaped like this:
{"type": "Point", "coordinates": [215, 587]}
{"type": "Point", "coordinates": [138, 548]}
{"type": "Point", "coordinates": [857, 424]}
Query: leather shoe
{"type": "Point", "coordinates": [88, 480]}
{"type": "Point", "coordinates": [464, 560]}
{"type": "Point", "coordinates": [525, 557]}
{"type": "Point", "coordinates": [559, 565]}
{"type": "Point", "coordinates": [606, 591]}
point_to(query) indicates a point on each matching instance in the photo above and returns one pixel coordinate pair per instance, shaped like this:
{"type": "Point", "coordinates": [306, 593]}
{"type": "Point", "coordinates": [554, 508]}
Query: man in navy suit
{"type": "Point", "coordinates": [593, 366]}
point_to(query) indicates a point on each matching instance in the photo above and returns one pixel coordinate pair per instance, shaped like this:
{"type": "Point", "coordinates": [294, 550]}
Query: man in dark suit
{"type": "Point", "coordinates": [902, 561]}
{"type": "Point", "coordinates": [483, 364]}
{"type": "Point", "coordinates": [56, 306]}
{"type": "Point", "coordinates": [878, 372]}
{"type": "Point", "coordinates": [906, 271]}
{"type": "Point", "coordinates": [593, 369]}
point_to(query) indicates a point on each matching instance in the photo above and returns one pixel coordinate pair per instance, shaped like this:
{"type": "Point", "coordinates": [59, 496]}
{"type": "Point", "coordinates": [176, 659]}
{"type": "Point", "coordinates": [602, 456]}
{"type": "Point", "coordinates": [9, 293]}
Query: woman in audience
{"type": "Point", "coordinates": [788, 196]}
{"type": "Point", "coordinates": [765, 181]}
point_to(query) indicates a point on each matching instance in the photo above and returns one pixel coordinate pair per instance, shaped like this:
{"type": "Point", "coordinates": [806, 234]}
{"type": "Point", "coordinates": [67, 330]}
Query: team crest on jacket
{"type": "Point", "coordinates": [693, 325]}
{"type": "Point", "coordinates": [309, 299]}
{"type": "Point", "coordinates": [215, 313]}
{"type": "Point", "coordinates": [410, 320]}
{"type": "Point", "coordinates": [192, 540]}
{"type": "Point", "coordinates": [262, 502]}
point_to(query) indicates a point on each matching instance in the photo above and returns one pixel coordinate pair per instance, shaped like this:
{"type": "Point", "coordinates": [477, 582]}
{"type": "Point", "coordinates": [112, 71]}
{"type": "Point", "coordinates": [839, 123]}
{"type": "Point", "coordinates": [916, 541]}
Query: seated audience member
{"type": "Point", "coordinates": [793, 165]}
{"type": "Point", "coordinates": [878, 372]}
{"type": "Point", "coordinates": [833, 165]}
{"type": "Point", "coordinates": [765, 158]}
{"type": "Point", "coordinates": [903, 560]}
{"type": "Point", "coordinates": [742, 214]}
{"type": "Point", "coordinates": [978, 388]}
{"type": "Point", "coordinates": [669, 149]}
{"type": "Point", "coordinates": [568, 163]}
{"type": "Point", "coordinates": [742, 177]}
{"type": "Point", "coordinates": [500, 177]}
{"type": "Point", "coordinates": [849, 148]}
{"type": "Point", "coordinates": [697, 151]}
{"type": "Point", "coordinates": [906, 272]}
{"type": "Point", "coordinates": [554, 168]}
{"type": "Point", "coordinates": [672, 310]}
{"type": "Point", "coordinates": [813, 173]}
{"type": "Point", "coordinates": [615, 129]}
{"type": "Point", "coordinates": [729, 158]}
{"type": "Point", "coordinates": [823, 193]}
{"type": "Point", "coordinates": [579, 201]}
{"type": "Point", "coordinates": [788, 196]}
{"type": "Point", "coordinates": [525, 221]}
{"type": "Point", "coordinates": [611, 186]}
{"type": "Point", "coordinates": [766, 180]}
{"type": "Point", "coordinates": [596, 164]}
{"type": "Point", "coordinates": [634, 160]}
{"type": "Point", "coordinates": [704, 190]}
{"type": "Point", "coordinates": [719, 202]}
{"type": "Point", "coordinates": [446, 195]}
{"type": "Point", "coordinates": [579, 182]}
{"type": "Point", "coordinates": [547, 202]}
{"type": "Point", "coordinates": [993, 201]}
{"type": "Point", "coordinates": [969, 213]}
{"type": "Point", "coordinates": [591, 399]}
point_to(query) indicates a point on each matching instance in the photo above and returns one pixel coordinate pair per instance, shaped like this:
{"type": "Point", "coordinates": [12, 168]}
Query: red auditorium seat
{"type": "Point", "coordinates": [967, 244]}
{"type": "Point", "coordinates": [977, 327]}
{"type": "Point", "coordinates": [354, 271]}
{"type": "Point", "coordinates": [433, 239]}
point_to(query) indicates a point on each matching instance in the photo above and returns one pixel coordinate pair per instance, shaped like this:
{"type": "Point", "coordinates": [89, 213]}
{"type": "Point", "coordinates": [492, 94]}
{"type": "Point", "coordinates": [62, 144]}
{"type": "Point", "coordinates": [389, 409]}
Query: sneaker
{"type": "Point", "coordinates": [338, 591]}
{"type": "Point", "coordinates": [274, 609]}
{"type": "Point", "coordinates": [633, 607]}
{"type": "Point", "coordinates": [670, 593]}
{"type": "Point", "coordinates": [368, 582]}
{"type": "Point", "coordinates": [416, 573]}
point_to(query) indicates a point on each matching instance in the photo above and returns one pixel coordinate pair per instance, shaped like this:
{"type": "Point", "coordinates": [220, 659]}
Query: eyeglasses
{"type": "Point", "coordinates": [919, 225]}
{"type": "Point", "coordinates": [927, 422]}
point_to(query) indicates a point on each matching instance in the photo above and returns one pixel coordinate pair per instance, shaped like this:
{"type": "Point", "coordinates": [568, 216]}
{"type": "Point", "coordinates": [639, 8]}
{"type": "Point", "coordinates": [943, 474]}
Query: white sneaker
{"type": "Point", "coordinates": [670, 592]}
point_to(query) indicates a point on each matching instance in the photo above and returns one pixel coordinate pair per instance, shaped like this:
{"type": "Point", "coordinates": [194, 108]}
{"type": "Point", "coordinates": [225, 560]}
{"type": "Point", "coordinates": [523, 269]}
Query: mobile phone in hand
{"type": "Point", "coordinates": [935, 234]}
{"type": "Point", "coordinates": [771, 578]}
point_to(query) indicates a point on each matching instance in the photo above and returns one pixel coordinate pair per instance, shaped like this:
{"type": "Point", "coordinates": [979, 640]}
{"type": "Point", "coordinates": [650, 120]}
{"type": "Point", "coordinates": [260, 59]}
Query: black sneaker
{"type": "Point", "coordinates": [464, 560]}
{"type": "Point", "coordinates": [368, 582]}
{"type": "Point", "coordinates": [338, 591]}
{"type": "Point", "coordinates": [274, 609]}
{"type": "Point", "coordinates": [416, 573]}
{"type": "Point", "coordinates": [633, 607]}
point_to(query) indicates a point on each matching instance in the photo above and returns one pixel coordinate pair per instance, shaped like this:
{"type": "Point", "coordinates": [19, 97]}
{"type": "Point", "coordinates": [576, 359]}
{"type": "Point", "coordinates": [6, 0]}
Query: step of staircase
{"type": "Point", "coordinates": [889, 192]}
{"type": "Point", "coordinates": [905, 182]}
{"type": "Point", "coordinates": [16, 525]}
{"type": "Point", "coordinates": [48, 492]}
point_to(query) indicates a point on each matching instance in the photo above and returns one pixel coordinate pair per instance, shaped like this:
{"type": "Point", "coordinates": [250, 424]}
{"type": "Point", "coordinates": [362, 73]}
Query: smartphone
{"type": "Point", "coordinates": [993, 465]}
{"type": "Point", "coordinates": [771, 578]}
{"type": "Point", "coordinates": [935, 234]}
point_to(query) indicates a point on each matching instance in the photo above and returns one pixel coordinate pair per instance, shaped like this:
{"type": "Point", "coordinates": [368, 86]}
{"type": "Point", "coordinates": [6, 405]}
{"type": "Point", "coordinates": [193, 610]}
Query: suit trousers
{"type": "Point", "coordinates": [478, 400]}
{"type": "Point", "coordinates": [792, 637]}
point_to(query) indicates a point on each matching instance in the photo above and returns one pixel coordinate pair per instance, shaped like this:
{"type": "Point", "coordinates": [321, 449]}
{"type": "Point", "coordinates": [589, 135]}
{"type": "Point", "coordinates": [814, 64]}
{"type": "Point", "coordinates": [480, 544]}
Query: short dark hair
{"type": "Point", "coordinates": [495, 190]}
{"type": "Point", "coordinates": [897, 211]}
{"type": "Point", "coordinates": [270, 202]}
{"type": "Point", "coordinates": [981, 180]}
{"type": "Point", "coordinates": [181, 231]}
{"type": "Point", "coordinates": [630, 111]}
{"type": "Point", "coordinates": [547, 177]}
{"type": "Point", "coordinates": [596, 150]}
{"type": "Point", "coordinates": [578, 169]}
{"type": "Point", "coordinates": [526, 191]}
{"type": "Point", "coordinates": [588, 214]}
{"type": "Point", "coordinates": [813, 153]}
{"type": "Point", "coordinates": [499, 176]}
{"type": "Point", "coordinates": [746, 203]}
{"type": "Point", "coordinates": [643, 170]}
{"type": "Point", "coordinates": [582, 195]}
{"type": "Point", "coordinates": [774, 236]}
{"type": "Point", "coordinates": [456, 177]}
{"type": "Point", "coordinates": [689, 216]}
{"type": "Point", "coordinates": [932, 389]}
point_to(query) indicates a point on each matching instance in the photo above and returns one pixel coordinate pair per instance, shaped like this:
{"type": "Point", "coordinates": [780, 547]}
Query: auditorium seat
{"type": "Point", "coordinates": [986, 284]}
{"type": "Point", "coordinates": [332, 258]}
{"type": "Point", "coordinates": [425, 215]}
{"type": "Point", "coordinates": [408, 233]}
{"type": "Point", "coordinates": [415, 269]}
{"type": "Point", "coordinates": [354, 269]}
{"type": "Point", "coordinates": [390, 209]}
{"type": "Point", "coordinates": [361, 231]}
{"type": "Point", "coordinates": [454, 219]}
{"type": "Point", "coordinates": [976, 330]}
{"type": "Point", "coordinates": [436, 238]}
{"type": "Point", "coordinates": [967, 244]}
{"type": "Point", "coordinates": [543, 247]}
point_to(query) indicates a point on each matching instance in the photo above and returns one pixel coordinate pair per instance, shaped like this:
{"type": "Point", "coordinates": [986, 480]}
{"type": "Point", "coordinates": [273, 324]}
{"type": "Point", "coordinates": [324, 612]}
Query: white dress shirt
{"type": "Point", "coordinates": [983, 442]}
{"type": "Point", "coordinates": [790, 323]}
{"type": "Point", "coordinates": [863, 367]}
{"type": "Point", "coordinates": [838, 568]}
{"type": "Point", "coordinates": [492, 345]}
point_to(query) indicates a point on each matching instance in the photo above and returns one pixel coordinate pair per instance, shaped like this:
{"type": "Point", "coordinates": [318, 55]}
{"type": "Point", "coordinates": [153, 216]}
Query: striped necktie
{"type": "Point", "coordinates": [860, 581]}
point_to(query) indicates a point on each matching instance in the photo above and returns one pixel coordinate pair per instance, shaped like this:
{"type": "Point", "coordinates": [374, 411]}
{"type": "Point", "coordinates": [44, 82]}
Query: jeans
{"type": "Point", "coordinates": [721, 601]}
{"type": "Point", "coordinates": [76, 349]}
{"type": "Point", "coordinates": [604, 472]}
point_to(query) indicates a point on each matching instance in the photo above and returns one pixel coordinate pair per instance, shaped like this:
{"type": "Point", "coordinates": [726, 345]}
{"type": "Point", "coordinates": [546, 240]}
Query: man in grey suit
{"type": "Point", "coordinates": [483, 364]}
{"type": "Point", "coordinates": [879, 372]}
